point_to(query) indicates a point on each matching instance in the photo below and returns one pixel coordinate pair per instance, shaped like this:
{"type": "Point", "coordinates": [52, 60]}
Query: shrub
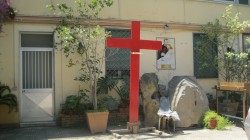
{"type": "Point", "coordinates": [76, 104]}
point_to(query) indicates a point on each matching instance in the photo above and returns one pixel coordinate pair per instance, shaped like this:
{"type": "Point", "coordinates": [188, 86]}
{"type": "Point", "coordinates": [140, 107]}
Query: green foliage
{"type": "Point", "coordinates": [224, 34]}
{"type": "Point", "coordinates": [82, 40]}
{"type": "Point", "coordinates": [105, 84]}
{"type": "Point", "coordinates": [123, 92]}
{"type": "Point", "coordinates": [108, 83]}
{"type": "Point", "coordinates": [7, 98]}
{"type": "Point", "coordinates": [110, 103]}
{"type": "Point", "coordinates": [236, 66]}
{"type": "Point", "coordinates": [76, 104]}
{"type": "Point", "coordinates": [232, 22]}
{"type": "Point", "coordinates": [222, 122]}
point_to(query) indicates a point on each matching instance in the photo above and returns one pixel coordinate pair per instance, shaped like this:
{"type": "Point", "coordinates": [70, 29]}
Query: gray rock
{"type": "Point", "coordinates": [188, 99]}
{"type": "Point", "coordinates": [150, 97]}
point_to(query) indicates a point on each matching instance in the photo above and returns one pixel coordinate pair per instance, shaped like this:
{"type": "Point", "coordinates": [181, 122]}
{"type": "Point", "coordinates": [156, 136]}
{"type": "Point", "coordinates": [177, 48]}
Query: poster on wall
{"type": "Point", "coordinates": [166, 56]}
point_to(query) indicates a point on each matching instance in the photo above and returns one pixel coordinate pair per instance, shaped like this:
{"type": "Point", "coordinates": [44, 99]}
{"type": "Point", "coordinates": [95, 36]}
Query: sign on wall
{"type": "Point", "coordinates": [166, 56]}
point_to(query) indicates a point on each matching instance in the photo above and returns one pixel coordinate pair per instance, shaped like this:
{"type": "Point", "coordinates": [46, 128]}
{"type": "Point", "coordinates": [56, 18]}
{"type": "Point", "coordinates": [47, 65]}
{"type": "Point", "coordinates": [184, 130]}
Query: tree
{"type": "Point", "coordinates": [231, 62]}
{"type": "Point", "coordinates": [82, 40]}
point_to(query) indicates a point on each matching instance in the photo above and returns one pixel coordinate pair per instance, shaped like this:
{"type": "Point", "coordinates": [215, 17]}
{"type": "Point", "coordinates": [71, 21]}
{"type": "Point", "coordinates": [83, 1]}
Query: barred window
{"type": "Point", "coordinates": [246, 45]}
{"type": "Point", "coordinates": [118, 60]}
{"type": "Point", "coordinates": [204, 53]}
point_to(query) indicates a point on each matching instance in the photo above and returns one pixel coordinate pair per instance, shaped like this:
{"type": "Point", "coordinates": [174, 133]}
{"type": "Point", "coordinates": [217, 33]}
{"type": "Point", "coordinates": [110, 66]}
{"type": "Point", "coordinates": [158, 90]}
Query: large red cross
{"type": "Point", "coordinates": [134, 44]}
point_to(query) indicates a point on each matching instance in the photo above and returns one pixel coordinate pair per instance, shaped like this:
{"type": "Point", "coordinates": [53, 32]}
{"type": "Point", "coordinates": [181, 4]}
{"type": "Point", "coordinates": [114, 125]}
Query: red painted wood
{"type": "Point", "coordinates": [134, 87]}
{"type": "Point", "coordinates": [134, 44]}
{"type": "Point", "coordinates": [118, 43]}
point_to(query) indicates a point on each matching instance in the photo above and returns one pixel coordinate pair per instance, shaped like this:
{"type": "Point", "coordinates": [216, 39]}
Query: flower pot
{"type": "Point", "coordinates": [97, 121]}
{"type": "Point", "coordinates": [213, 123]}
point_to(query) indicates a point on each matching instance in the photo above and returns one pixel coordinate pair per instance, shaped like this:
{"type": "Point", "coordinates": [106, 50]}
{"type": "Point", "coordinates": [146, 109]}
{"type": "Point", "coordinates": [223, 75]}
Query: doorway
{"type": "Point", "coordinates": [36, 77]}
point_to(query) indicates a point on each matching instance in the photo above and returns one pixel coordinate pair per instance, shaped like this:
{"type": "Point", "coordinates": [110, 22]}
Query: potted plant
{"type": "Point", "coordinates": [82, 42]}
{"type": "Point", "coordinates": [212, 120]}
{"type": "Point", "coordinates": [73, 109]}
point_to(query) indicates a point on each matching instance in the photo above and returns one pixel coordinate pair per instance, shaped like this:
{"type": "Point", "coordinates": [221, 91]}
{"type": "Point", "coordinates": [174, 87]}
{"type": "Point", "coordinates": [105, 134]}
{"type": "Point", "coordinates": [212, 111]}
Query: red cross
{"type": "Point", "coordinates": [134, 44]}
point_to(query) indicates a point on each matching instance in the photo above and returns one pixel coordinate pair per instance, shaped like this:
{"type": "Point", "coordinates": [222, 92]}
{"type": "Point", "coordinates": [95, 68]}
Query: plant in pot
{"type": "Point", "coordinates": [73, 109]}
{"type": "Point", "coordinates": [107, 83]}
{"type": "Point", "coordinates": [212, 120]}
{"type": "Point", "coordinates": [7, 98]}
{"type": "Point", "coordinates": [82, 42]}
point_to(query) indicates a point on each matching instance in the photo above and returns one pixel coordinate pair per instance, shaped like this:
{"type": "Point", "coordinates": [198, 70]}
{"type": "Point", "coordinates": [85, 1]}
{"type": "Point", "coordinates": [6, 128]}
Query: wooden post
{"type": "Point", "coordinates": [217, 103]}
{"type": "Point", "coordinates": [164, 121]}
{"type": "Point", "coordinates": [244, 105]}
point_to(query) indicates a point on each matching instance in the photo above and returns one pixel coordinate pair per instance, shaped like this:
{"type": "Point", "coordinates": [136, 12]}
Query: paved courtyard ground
{"type": "Point", "coordinates": [58, 133]}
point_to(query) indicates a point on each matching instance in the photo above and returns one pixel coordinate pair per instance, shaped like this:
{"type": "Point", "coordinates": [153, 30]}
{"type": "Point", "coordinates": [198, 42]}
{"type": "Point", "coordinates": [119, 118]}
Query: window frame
{"type": "Point", "coordinates": [195, 73]}
{"type": "Point", "coordinates": [244, 41]}
{"type": "Point", "coordinates": [231, 2]}
{"type": "Point", "coordinates": [120, 72]}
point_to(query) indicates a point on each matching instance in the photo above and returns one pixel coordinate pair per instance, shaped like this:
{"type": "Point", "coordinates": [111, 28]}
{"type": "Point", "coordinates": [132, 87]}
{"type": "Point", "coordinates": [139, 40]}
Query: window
{"type": "Point", "coordinates": [245, 2]}
{"type": "Point", "coordinates": [37, 40]}
{"type": "Point", "coordinates": [204, 53]}
{"type": "Point", "coordinates": [118, 60]}
{"type": "Point", "coordinates": [246, 45]}
{"type": "Point", "coordinates": [230, 1]}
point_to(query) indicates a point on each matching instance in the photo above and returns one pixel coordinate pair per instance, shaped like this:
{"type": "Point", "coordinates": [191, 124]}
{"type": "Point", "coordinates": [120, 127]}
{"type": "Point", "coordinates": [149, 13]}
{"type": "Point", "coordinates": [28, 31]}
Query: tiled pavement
{"type": "Point", "coordinates": [58, 133]}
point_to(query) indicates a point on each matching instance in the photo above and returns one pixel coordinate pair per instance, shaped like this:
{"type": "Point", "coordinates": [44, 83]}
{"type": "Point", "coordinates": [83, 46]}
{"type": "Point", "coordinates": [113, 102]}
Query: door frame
{"type": "Point", "coordinates": [20, 73]}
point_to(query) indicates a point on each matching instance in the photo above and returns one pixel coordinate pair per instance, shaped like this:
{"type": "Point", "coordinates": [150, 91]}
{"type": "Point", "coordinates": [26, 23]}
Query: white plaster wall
{"type": "Point", "coordinates": [178, 11]}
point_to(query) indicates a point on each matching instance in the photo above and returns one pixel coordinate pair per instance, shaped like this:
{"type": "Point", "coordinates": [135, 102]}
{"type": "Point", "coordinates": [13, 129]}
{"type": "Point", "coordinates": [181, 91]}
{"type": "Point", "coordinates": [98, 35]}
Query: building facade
{"type": "Point", "coordinates": [37, 72]}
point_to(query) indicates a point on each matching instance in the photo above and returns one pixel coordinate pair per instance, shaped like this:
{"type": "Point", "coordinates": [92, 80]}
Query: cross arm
{"type": "Point", "coordinates": [118, 43]}
{"type": "Point", "coordinates": [152, 45]}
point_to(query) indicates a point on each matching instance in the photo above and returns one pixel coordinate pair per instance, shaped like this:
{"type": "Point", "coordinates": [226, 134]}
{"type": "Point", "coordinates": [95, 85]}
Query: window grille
{"type": "Point", "coordinates": [204, 54]}
{"type": "Point", "coordinates": [246, 45]}
{"type": "Point", "coordinates": [118, 60]}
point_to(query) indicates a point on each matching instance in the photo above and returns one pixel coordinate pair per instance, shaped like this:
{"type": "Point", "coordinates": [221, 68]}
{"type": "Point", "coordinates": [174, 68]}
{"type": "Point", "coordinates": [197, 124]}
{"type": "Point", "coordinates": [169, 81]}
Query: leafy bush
{"type": "Point", "coordinates": [76, 104]}
{"type": "Point", "coordinates": [222, 122]}
{"type": "Point", "coordinates": [107, 83]}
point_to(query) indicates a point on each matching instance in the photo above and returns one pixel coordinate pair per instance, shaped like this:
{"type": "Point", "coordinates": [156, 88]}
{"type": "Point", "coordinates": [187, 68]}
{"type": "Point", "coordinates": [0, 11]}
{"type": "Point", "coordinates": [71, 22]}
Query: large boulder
{"type": "Point", "coordinates": [188, 99]}
{"type": "Point", "coordinates": [150, 98]}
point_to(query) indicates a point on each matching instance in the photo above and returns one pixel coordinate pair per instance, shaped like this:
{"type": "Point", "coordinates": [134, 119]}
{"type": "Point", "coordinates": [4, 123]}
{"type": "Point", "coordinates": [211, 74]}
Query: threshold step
{"type": "Point", "coordinates": [37, 124]}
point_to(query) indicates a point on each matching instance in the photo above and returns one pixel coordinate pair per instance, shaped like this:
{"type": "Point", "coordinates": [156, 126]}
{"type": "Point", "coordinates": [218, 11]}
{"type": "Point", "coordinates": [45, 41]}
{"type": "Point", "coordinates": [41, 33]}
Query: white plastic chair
{"type": "Point", "coordinates": [166, 113]}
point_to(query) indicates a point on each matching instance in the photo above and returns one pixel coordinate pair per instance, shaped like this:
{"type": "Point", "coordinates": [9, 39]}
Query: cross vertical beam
{"type": "Point", "coordinates": [134, 87]}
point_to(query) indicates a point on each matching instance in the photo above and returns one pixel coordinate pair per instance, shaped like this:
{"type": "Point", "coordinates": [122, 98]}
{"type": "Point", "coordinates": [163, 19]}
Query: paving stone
{"type": "Point", "coordinates": [57, 133]}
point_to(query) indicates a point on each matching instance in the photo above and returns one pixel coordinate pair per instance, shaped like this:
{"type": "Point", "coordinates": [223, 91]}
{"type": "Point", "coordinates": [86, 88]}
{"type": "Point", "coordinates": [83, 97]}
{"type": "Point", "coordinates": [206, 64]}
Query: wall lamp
{"type": "Point", "coordinates": [166, 27]}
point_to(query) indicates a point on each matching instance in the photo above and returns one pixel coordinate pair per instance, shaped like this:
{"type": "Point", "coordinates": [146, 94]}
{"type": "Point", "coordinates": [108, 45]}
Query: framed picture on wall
{"type": "Point", "coordinates": [166, 56]}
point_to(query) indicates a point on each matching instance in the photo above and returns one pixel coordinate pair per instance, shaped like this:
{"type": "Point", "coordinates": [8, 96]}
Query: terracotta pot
{"type": "Point", "coordinates": [213, 123]}
{"type": "Point", "coordinates": [97, 121]}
